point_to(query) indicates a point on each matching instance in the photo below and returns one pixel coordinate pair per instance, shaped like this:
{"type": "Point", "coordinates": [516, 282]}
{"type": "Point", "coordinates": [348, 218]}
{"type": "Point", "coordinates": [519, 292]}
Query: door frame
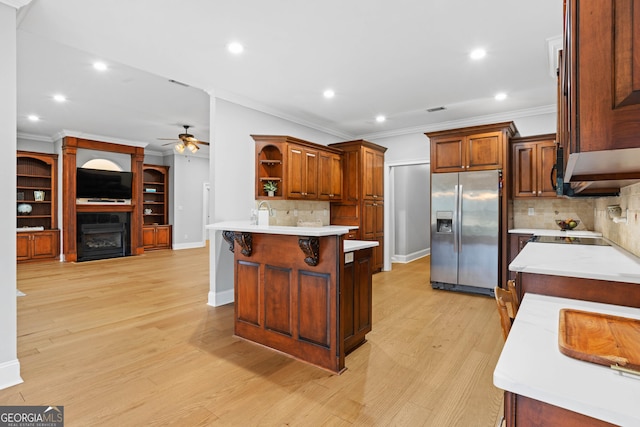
{"type": "Point", "coordinates": [389, 207]}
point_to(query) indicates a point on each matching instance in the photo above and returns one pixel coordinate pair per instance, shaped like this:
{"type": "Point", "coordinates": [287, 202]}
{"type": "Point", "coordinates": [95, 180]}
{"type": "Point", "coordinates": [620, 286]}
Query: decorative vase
{"type": "Point", "coordinates": [271, 193]}
{"type": "Point", "coordinates": [38, 196]}
{"type": "Point", "coordinates": [24, 208]}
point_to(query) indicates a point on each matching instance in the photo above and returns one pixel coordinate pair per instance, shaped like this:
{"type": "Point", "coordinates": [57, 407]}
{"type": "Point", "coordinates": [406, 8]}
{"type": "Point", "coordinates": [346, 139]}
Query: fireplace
{"type": "Point", "coordinates": [103, 235]}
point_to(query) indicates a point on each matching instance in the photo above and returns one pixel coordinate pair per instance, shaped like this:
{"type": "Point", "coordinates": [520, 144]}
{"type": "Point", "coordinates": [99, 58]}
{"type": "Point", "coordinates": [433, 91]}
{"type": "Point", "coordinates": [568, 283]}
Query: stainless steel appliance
{"type": "Point", "coordinates": [465, 224]}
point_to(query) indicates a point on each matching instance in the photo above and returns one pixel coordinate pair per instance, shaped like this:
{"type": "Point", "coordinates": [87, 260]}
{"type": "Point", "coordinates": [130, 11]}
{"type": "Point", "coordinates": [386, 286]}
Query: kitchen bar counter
{"type": "Point", "coordinates": [246, 226]}
{"type": "Point", "coordinates": [532, 366]}
{"type": "Point", "coordinates": [295, 292]}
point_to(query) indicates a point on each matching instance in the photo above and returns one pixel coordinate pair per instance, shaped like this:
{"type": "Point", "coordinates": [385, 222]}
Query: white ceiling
{"type": "Point", "coordinates": [394, 58]}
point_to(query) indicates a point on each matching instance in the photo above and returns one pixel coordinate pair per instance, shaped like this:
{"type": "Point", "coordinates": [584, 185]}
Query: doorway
{"type": "Point", "coordinates": [409, 213]}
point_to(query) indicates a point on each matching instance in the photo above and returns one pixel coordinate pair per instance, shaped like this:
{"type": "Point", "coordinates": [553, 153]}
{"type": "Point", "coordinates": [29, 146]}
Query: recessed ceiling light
{"type": "Point", "coordinates": [478, 53]}
{"type": "Point", "coordinates": [100, 66]}
{"type": "Point", "coordinates": [235, 48]}
{"type": "Point", "coordinates": [329, 93]}
{"type": "Point", "coordinates": [501, 96]}
{"type": "Point", "coordinates": [380, 118]}
{"type": "Point", "coordinates": [33, 118]}
{"type": "Point", "coordinates": [59, 98]}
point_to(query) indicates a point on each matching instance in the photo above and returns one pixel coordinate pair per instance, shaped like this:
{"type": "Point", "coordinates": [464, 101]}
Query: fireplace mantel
{"type": "Point", "coordinates": [70, 209]}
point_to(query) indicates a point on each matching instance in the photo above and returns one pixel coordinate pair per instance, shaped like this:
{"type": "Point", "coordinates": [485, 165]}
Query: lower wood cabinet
{"type": "Point", "coordinates": [355, 299]}
{"type": "Point", "coordinates": [37, 245]}
{"type": "Point", "coordinates": [156, 237]}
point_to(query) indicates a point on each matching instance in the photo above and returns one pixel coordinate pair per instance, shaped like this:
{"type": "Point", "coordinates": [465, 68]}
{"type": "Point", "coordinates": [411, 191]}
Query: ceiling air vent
{"type": "Point", "coordinates": [434, 109]}
{"type": "Point", "coordinates": [178, 83]}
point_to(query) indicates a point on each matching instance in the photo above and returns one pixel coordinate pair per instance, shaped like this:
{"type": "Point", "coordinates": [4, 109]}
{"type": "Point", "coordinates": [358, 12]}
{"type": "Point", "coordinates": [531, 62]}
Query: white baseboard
{"type": "Point", "coordinates": [403, 259]}
{"type": "Point", "coordinates": [10, 374]}
{"type": "Point", "coordinates": [220, 298]}
{"type": "Point", "coordinates": [191, 245]}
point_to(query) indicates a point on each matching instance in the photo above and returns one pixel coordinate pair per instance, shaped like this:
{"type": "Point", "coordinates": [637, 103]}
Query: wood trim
{"type": "Point", "coordinates": [70, 147]}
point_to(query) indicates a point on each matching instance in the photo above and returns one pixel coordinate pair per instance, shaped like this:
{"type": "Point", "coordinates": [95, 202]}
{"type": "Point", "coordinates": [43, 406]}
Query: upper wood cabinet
{"type": "Point", "coordinates": [374, 172]}
{"type": "Point", "coordinates": [301, 169]}
{"type": "Point", "coordinates": [329, 176]}
{"type": "Point", "coordinates": [599, 94]}
{"type": "Point", "coordinates": [469, 149]}
{"type": "Point", "coordinates": [302, 173]}
{"type": "Point", "coordinates": [533, 171]}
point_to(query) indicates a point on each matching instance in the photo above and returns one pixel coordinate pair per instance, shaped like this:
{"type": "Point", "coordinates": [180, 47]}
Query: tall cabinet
{"type": "Point", "coordinates": [156, 230]}
{"type": "Point", "coordinates": [362, 202]}
{"type": "Point", "coordinates": [38, 236]}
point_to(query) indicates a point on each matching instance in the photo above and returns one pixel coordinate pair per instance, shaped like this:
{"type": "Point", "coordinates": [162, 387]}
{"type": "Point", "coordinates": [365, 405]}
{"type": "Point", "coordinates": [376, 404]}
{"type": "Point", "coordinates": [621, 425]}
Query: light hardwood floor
{"type": "Point", "coordinates": [131, 342]}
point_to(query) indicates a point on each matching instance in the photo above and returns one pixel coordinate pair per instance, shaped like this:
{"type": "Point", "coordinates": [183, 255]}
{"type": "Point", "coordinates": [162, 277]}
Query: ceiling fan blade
{"type": "Point", "coordinates": [167, 139]}
{"type": "Point", "coordinates": [170, 143]}
{"type": "Point", "coordinates": [202, 142]}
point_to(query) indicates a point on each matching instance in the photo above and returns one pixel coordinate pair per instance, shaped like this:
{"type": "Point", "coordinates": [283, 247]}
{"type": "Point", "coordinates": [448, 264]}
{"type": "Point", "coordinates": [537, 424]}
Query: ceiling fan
{"type": "Point", "coordinates": [185, 140]}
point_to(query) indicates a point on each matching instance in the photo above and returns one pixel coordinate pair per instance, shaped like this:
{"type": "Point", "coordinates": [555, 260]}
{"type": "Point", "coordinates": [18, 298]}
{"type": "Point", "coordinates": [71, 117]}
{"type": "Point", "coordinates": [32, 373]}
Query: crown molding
{"type": "Point", "coordinates": [471, 121]}
{"type": "Point", "coordinates": [34, 137]}
{"type": "Point", "coordinates": [16, 3]}
{"type": "Point", "coordinates": [248, 103]}
{"type": "Point", "coordinates": [101, 138]}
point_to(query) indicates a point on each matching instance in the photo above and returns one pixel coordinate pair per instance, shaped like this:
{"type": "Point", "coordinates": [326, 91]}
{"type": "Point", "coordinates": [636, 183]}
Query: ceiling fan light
{"type": "Point", "coordinates": [192, 147]}
{"type": "Point", "coordinates": [179, 147]}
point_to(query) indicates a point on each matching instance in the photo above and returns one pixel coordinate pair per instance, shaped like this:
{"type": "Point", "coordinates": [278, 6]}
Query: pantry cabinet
{"type": "Point", "coordinates": [362, 203]}
{"type": "Point", "coordinates": [533, 166]}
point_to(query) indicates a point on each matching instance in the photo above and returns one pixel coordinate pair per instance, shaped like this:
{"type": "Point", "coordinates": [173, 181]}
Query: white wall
{"type": "Point", "coordinates": [232, 163]}
{"type": "Point", "coordinates": [187, 175]}
{"type": "Point", "coordinates": [9, 364]}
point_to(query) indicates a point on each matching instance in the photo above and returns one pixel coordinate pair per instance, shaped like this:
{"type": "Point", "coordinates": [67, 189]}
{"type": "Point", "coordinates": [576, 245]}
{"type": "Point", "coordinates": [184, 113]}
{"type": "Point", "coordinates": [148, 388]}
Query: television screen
{"type": "Point", "coordinates": [103, 184]}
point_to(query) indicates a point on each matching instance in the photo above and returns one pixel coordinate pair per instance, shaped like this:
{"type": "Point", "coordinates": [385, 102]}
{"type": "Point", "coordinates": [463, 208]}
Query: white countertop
{"type": "Point", "coordinates": [531, 364]}
{"type": "Point", "coordinates": [584, 261]}
{"type": "Point", "coordinates": [556, 232]}
{"type": "Point", "coordinates": [246, 226]}
{"type": "Point", "coordinates": [355, 245]}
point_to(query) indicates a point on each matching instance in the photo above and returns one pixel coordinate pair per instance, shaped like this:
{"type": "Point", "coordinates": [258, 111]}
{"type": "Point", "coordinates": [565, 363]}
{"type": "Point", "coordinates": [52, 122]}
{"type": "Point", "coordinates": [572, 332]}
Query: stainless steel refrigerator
{"type": "Point", "coordinates": [465, 224]}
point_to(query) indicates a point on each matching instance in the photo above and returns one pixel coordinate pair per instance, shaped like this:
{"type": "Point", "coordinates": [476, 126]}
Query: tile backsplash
{"type": "Point", "coordinates": [592, 213]}
{"type": "Point", "coordinates": [624, 235]}
{"type": "Point", "coordinates": [546, 211]}
{"type": "Point", "coordinates": [290, 212]}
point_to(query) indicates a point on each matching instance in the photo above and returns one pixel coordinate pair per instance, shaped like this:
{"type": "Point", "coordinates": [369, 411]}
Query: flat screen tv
{"type": "Point", "coordinates": [103, 184]}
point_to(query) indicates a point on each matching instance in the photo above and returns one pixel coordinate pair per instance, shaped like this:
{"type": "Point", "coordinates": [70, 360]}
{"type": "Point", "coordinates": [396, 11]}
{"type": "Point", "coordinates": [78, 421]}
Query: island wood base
{"type": "Point", "coordinates": [286, 294]}
{"type": "Point", "coordinates": [523, 411]}
{"type": "Point", "coordinates": [608, 292]}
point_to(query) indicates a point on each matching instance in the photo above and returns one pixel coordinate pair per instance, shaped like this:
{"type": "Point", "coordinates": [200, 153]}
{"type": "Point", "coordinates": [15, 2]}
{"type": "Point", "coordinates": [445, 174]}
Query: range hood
{"type": "Point", "coordinates": [597, 173]}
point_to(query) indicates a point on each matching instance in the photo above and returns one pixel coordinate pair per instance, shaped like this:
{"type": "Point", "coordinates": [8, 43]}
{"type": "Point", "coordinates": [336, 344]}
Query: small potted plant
{"type": "Point", "coordinates": [270, 187]}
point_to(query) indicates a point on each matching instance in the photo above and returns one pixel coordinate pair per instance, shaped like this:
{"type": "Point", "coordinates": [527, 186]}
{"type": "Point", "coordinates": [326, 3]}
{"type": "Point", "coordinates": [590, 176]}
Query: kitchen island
{"type": "Point", "coordinates": [293, 293]}
{"type": "Point", "coordinates": [596, 273]}
{"type": "Point", "coordinates": [545, 387]}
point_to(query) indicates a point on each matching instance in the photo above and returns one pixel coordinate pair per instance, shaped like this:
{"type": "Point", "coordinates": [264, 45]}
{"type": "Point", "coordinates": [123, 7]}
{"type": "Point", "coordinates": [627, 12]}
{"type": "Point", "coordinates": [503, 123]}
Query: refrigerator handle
{"type": "Point", "coordinates": [456, 213]}
{"type": "Point", "coordinates": [459, 215]}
